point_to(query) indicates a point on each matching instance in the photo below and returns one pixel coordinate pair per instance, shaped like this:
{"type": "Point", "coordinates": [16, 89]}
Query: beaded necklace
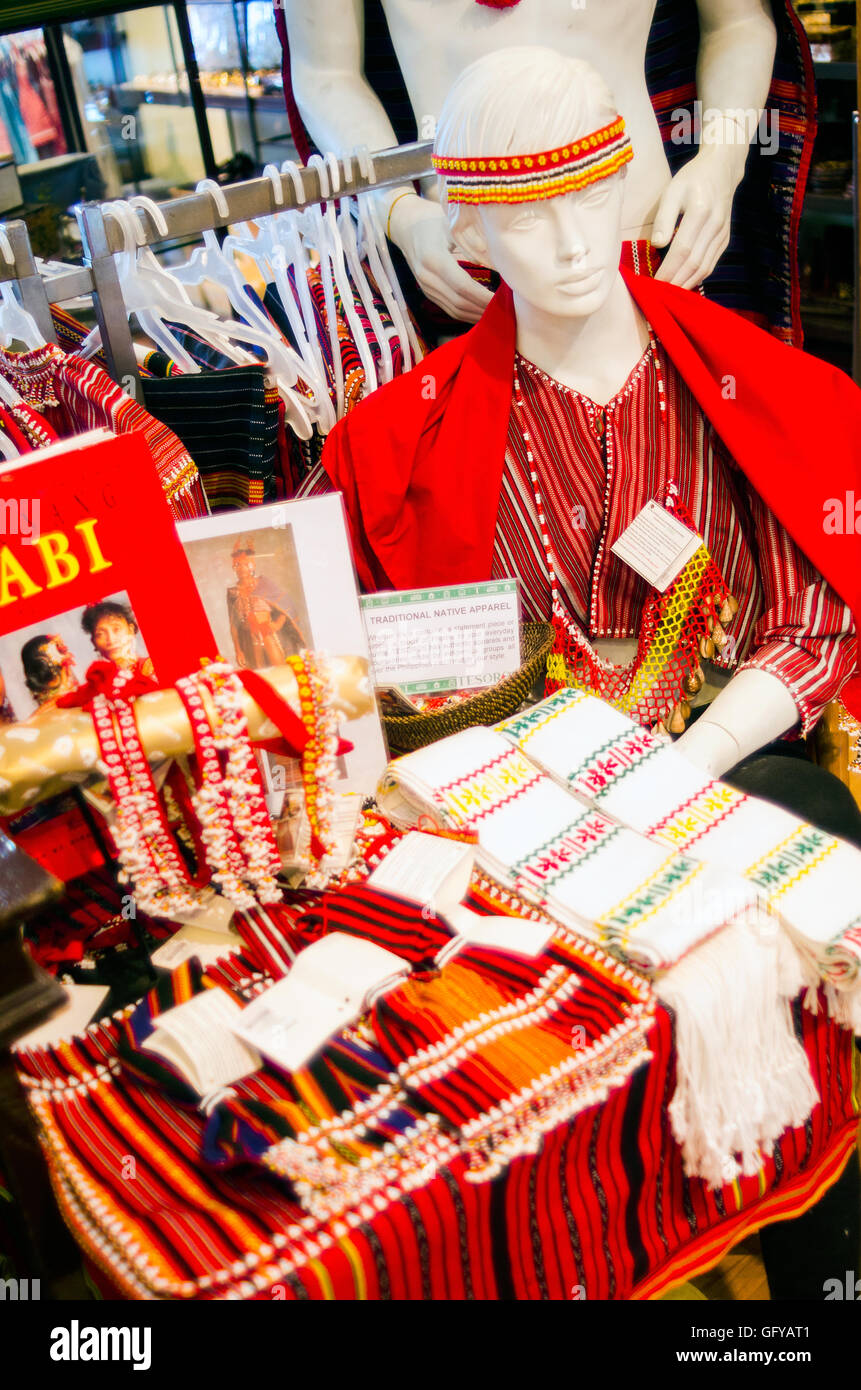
{"type": "Point", "coordinates": [678, 626]}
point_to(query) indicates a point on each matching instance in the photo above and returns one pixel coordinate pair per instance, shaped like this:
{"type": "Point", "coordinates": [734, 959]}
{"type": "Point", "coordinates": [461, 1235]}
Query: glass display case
{"type": "Point", "coordinates": [136, 99]}
{"type": "Point", "coordinates": [239, 60]}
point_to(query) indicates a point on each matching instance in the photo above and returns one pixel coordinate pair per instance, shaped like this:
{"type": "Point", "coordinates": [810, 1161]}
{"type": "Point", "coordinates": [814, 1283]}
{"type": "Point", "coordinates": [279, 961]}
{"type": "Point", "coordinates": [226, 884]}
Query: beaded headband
{"type": "Point", "coordinates": [526, 178]}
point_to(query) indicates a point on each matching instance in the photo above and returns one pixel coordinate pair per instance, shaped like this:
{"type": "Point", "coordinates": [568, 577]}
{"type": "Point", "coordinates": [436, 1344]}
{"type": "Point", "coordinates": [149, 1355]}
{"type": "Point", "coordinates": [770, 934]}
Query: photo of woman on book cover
{"type": "Point", "coordinates": [41, 662]}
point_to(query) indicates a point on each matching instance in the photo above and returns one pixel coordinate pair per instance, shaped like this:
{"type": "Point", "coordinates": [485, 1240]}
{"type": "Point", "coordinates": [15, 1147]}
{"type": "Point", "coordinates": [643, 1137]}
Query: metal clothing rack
{"type": "Point", "coordinates": [195, 213]}
{"type": "Point", "coordinates": [37, 291]}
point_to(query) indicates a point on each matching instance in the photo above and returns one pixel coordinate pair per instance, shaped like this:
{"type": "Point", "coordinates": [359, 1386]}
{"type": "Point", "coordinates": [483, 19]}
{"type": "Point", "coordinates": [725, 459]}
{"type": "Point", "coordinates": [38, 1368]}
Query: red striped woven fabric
{"type": "Point", "coordinates": [76, 395]}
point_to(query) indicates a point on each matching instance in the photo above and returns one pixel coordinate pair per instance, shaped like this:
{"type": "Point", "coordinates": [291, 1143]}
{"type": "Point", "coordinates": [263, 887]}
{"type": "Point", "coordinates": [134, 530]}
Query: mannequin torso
{"type": "Point", "coordinates": [435, 42]}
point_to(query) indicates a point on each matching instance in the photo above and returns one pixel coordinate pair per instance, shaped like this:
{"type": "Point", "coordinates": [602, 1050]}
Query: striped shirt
{"type": "Point", "coordinates": [597, 468]}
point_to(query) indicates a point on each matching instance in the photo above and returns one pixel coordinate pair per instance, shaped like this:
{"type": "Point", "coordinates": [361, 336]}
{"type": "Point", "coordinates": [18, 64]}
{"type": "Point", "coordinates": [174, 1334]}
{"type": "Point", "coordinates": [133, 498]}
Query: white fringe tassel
{"type": "Point", "coordinates": [799, 970]}
{"type": "Point", "coordinates": [742, 1076]}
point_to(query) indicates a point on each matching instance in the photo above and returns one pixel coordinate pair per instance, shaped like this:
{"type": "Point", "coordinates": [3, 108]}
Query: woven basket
{"type": "Point", "coordinates": [408, 731]}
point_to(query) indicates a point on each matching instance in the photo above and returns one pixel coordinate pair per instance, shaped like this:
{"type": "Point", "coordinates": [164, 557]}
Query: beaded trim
{"type": "Point", "coordinates": [244, 808]}
{"type": "Point", "coordinates": [145, 846]}
{"type": "Point", "coordinates": [211, 802]}
{"type": "Point", "coordinates": [529, 178]}
{"type": "Point", "coordinates": [316, 704]}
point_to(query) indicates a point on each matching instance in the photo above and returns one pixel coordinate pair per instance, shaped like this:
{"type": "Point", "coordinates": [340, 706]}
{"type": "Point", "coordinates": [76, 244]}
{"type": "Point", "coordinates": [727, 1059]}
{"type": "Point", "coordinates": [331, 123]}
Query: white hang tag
{"type": "Point", "coordinates": [518, 935]}
{"type": "Point", "coordinates": [428, 870]}
{"type": "Point", "coordinates": [431, 871]}
{"type": "Point", "coordinates": [657, 545]}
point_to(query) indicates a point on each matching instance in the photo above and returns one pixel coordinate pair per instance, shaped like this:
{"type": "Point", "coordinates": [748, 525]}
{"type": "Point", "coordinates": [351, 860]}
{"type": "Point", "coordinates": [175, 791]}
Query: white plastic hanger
{"type": "Point", "coordinates": [342, 279]}
{"type": "Point", "coordinates": [375, 246]}
{"type": "Point", "coordinates": [210, 263]}
{"type": "Point", "coordinates": [155, 296]}
{"type": "Point", "coordinates": [347, 230]}
{"type": "Point", "coordinates": [266, 250]}
{"type": "Point", "coordinates": [311, 226]}
{"type": "Point", "coordinates": [288, 228]}
{"type": "Point", "coordinates": [16, 325]}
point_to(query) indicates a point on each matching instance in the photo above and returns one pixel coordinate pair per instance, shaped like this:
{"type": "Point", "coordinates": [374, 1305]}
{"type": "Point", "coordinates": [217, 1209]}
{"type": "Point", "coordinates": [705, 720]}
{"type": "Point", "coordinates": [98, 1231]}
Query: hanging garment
{"type": "Point", "coordinates": [229, 421]}
{"type": "Point", "coordinates": [26, 428]}
{"type": "Point", "coordinates": [75, 396]}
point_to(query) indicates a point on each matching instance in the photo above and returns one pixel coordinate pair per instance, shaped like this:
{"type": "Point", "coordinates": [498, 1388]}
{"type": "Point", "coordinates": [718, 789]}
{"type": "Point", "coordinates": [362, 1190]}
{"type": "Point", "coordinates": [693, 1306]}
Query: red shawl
{"type": "Point", "coordinates": [420, 462]}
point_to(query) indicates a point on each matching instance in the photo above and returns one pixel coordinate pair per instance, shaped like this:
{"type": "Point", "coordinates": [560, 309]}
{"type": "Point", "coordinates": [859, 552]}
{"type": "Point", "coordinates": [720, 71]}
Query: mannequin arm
{"type": "Point", "coordinates": [342, 111]}
{"type": "Point", "coordinates": [736, 57]}
{"type": "Point", "coordinates": [752, 710]}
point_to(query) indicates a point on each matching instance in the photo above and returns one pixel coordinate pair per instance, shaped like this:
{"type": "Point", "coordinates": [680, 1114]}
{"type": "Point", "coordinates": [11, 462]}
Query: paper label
{"type": "Point", "coordinates": [657, 545]}
{"type": "Point", "coordinates": [207, 1048]}
{"type": "Point", "coordinates": [181, 948]}
{"type": "Point", "coordinates": [426, 870]}
{"type": "Point", "coordinates": [463, 637]}
{"type": "Point", "coordinates": [519, 935]}
{"type": "Point", "coordinates": [327, 988]}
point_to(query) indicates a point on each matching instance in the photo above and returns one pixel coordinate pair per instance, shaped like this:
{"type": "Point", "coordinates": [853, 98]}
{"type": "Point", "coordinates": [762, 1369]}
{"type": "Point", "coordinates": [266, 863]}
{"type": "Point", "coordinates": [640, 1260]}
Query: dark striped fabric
{"type": "Point", "coordinates": [758, 273]}
{"type": "Point", "coordinates": [228, 421]}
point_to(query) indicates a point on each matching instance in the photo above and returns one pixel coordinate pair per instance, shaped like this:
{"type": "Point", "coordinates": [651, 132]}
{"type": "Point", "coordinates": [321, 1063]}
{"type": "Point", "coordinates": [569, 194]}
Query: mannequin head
{"type": "Point", "coordinates": [560, 254]}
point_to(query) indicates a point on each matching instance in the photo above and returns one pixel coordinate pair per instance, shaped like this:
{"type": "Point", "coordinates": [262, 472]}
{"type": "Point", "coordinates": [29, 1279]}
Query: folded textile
{"type": "Point", "coordinates": [606, 882]}
{"type": "Point", "coordinates": [500, 1047]}
{"type": "Point", "coordinates": [664, 912]}
{"type": "Point", "coordinates": [810, 879]}
{"type": "Point", "coordinates": [341, 1129]}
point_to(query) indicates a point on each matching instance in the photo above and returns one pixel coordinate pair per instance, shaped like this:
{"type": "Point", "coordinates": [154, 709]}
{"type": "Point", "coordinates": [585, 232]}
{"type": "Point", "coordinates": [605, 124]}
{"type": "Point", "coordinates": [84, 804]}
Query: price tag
{"type": "Point", "coordinates": [657, 545]}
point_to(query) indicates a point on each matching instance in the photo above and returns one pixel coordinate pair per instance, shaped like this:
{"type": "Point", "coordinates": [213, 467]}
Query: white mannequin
{"type": "Point", "coordinates": [575, 317]}
{"type": "Point", "coordinates": [435, 41]}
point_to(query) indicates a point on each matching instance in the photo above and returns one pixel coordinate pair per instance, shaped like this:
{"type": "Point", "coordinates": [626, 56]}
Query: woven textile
{"type": "Point", "coordinates": [597, 468]}
{"type": "Point", "coordinates": [606, 882]}
{"type": "Point", "coordinates": [695, 927]}
{"type": "Point", "coordinates": [604, 1204]}
{"type": "Point", "coordinates": [75, 396]}
{"type": "Point", "coordinates": [811, 880]}
{"type": "Point", "coordinates": [228, 421]}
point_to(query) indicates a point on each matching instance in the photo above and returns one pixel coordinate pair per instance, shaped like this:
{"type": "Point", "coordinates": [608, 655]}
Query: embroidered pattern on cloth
{"type": "Point", "coordinates": [807, 877]}
{"type": "Point", "coordinates": [604, 881]}
{"type": "Point", "coordinates": [677, 626]}
{"type": "Point", "coordinates": [597, 468]}
{"type": "Point", "coordinates": [696, 928]}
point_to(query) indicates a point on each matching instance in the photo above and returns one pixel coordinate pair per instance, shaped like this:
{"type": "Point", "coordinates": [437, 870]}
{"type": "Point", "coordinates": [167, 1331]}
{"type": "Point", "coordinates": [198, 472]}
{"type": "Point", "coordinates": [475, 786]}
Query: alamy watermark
{"type": "Point", "coordinates": [21, 516]}
{"type": "Point", "coordinates": [714, 126]}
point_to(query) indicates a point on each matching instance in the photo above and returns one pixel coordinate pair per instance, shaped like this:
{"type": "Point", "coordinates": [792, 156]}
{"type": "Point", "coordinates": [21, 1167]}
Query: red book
{"type": "Point", "coordinates": [90, 569]}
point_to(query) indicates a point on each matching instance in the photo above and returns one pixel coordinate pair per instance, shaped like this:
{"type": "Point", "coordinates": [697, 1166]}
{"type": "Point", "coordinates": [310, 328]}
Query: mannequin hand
{"type": "Point", "coordinates": [752, 709]}
{"type": "Point", "coordinates": [702, 192]}
{"type": "Point", "coordinates": [419, 228]}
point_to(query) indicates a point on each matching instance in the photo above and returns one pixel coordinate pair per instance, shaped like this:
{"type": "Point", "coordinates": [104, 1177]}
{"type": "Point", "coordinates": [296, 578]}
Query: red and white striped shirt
{"type": "Point", "coordinates": [597, 468]}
